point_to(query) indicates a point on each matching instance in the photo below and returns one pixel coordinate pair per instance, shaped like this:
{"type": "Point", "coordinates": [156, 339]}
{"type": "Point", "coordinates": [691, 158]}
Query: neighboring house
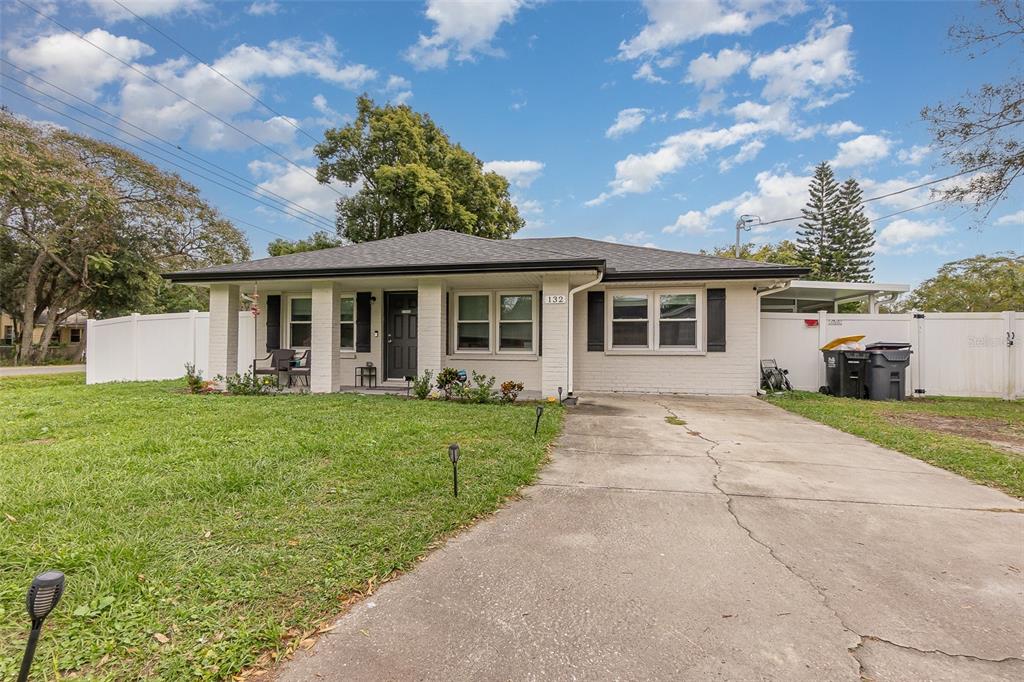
{"type": "Point", "coordinates": [551, 312]}
{"type": "Point", "coordinates": [70, 332]}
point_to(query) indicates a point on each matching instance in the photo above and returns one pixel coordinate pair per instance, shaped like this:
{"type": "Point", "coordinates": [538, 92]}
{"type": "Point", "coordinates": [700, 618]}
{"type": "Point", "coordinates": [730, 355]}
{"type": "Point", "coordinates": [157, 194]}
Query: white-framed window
{"type": "Point", "coordinates": [516, 322]}
{"type": "Point", "coordinates": [348, 322]}
{"type": "Point", "coordinates": [630, 320]}
{"type": "Point", "coordinates": [300, 322]}
{"type": "Point", "coordinates": [677, 320]}
{"type": "Point", "coordinates": [669, 320]}
{"type": "Point", "coordinates": [473, 322]}
{"type": "Point", "coordinates": [76, 335]}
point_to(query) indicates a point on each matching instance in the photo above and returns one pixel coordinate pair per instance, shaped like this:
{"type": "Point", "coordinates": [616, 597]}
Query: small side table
{"type": "Point", "coordinates": [364, 374]}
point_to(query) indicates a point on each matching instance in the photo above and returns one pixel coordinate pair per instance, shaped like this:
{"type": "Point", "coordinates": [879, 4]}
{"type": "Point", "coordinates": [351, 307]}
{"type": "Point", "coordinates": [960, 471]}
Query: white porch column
{"type": "Point", "coordinates": [223, 358]}
{"type": "Point", "coordinates": [430, 326]}
{"type": "Point", "coordinates": [555, 359]}
{"type": "Point", "coordinates": [325, 373]}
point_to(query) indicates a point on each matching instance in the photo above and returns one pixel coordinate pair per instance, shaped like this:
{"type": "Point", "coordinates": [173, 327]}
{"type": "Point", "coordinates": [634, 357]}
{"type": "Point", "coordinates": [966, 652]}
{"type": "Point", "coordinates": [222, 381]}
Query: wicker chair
{"type": "Point", "coordinates": [280, 361]}
{"type": "Point", "coordinates": [300, 368]}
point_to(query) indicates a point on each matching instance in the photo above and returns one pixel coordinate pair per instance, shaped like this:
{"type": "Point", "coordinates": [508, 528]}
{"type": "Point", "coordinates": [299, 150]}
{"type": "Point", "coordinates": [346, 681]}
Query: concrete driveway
{"type": "Point", "coordinates": [747, 544]}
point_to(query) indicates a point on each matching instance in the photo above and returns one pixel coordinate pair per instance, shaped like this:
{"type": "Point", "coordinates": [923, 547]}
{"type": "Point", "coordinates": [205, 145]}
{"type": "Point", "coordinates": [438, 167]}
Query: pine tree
{"type": "Point", "coordinates": [854, 237]}
{"type": "Point", "coordinates": [816, 235]}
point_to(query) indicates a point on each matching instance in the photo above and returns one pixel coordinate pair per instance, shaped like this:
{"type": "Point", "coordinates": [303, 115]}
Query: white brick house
{"type": "Point", "coordinates": [568, 313]}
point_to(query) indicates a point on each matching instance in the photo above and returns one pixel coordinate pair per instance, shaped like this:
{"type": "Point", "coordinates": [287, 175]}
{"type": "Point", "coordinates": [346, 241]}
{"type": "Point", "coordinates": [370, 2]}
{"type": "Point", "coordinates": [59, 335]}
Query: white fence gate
{"type": "Point", "coordinates": [149, 347]}
{"type": "Point", "coordinates": [955, 354]}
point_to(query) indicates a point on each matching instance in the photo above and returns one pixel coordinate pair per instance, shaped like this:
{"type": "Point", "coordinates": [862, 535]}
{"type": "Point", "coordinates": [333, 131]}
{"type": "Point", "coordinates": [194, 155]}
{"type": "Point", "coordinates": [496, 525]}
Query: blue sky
{"type": "Point", "coordinates": [648, 123]}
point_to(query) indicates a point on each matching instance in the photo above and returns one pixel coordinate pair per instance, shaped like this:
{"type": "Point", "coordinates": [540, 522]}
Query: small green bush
{"type": "Point", "coordinates": [482, 390]}
{"type": "Point", "coordinates": [194, 381]}
{"type": "Point", "coordinates": [510, 391]}
{"type": "Point", "coordinates": [248, 384]}
{"type": "Point", "coordinates": [448, 382]}
{"type": "Point", "coordinates": [422, 384]}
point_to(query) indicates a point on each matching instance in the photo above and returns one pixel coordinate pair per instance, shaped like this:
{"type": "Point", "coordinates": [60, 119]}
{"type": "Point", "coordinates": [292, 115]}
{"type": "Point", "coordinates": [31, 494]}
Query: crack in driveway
{"type": "Point", "coordinates": [820, 591]}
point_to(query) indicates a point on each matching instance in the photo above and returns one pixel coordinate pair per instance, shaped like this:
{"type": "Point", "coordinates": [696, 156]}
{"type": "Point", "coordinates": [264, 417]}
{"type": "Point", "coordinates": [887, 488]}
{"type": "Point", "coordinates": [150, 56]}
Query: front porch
{"type": "Point", "coordinates": [513, 326]}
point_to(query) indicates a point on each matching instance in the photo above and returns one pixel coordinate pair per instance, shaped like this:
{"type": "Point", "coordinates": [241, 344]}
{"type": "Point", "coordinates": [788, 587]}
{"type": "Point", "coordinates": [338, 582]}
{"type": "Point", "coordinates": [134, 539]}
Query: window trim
{"type": "Point", "coordinates": [71, 335]}
{"type": "Point", "coordinates": [288, 320]}
{"type": "Point", "coordinates": [355, 317]}
{"type": "Point", "coordinates": [534, 301]}
{"type": "Point", "coordinates": [490, 324]}
{"type": "Point", "coordinates": [654, 322]}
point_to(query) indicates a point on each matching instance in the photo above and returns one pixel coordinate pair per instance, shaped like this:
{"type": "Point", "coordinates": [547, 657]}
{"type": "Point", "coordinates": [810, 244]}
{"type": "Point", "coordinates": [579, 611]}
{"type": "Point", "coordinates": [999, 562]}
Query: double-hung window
{"type": "Point", "coordinates": [300, 322]}
{"type": "Point", "coordinates": [630, 316]}
{"type": "Point", "coordinates": [515, 322]}
{"type": "Point", "coordinates": [348, 323]}
{"type": "Point", "coordinates": [473, 322]}
{"type": "Point", "coordinates": [677, 320]}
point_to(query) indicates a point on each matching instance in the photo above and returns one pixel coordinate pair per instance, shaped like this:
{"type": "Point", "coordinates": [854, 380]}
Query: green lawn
{"type": "Point", "coordinates": [199, 533]}
{"type": "Point", "coordinates": [946, 432]}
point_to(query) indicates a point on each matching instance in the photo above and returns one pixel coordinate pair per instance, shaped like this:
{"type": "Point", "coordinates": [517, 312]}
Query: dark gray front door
{"type": "Point", "coordinates": [400, 335]}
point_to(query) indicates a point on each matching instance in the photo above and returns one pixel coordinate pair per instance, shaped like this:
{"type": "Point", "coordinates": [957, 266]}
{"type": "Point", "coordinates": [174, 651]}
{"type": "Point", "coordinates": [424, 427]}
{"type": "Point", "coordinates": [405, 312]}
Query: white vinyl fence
{"type": "Point", "coordinates": [955, 354]}
{"type": "Point", "coordinates": [146, 347]}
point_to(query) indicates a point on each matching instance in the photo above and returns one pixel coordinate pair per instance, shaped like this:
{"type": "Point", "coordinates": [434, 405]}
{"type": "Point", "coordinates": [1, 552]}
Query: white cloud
{"type": "Point", "coordinates": [671, 22]}
{"type": "Point", "coordinates": [820, 62]}
{"type": "Point", "coordinates": [709, 72]}
{"type": "Point", "coordinates": [904, 232]}
{"type": "Point", "coordinates": [915, 155]}
{"type": "Point", "coordinates": [861, 150]}
{"type": "Point", "coordinates": [111, 11]}
{"type": "Point", "coordinates": [627, 121]}
{"type": "Point", "coordinates": [691, 222]}
{"type": "Point", "coordinates": [398, 89]}
{"type": "Point", "coordinates": [639, 238]}
{"type": "Point", "coordinates": [77, 66]}
{"type": "Point", "coordinates": [519, 173]}
{"type": "Point", "coordinates": [296, 186]}
{"type": "Point", "coordinates": [685, 114]}
{"type": "Point", "coordinates": [1011, 218]}
{"type": "Point", "coordinates": [462, 29]}
{"type": "Point", "coordinates": [646, 73]}
{"type": "Point", "coordinates": [843, 128]}
{"type": "Point", "coordinates": [746, 153]}
{"type": "Point", "coordinates": [261, 8]}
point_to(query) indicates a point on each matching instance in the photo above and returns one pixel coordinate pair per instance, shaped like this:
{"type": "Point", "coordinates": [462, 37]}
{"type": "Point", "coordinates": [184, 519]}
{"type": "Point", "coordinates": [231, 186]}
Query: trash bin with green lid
{"type": "Point", "coordinates": [844, 373]}
{"type": "Point", "coordinates": [887, 370]}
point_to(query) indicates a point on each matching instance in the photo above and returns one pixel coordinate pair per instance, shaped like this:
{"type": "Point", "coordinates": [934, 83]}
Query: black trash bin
{"type": "Point", "coordinates": [845, 373]}
{"type": "Point", "coordinates": [887, 370]}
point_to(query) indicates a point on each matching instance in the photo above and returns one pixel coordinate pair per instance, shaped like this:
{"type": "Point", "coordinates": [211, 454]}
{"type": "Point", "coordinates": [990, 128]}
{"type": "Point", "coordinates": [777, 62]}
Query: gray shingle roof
{"type": "Point", "coordinates": [443, 251]}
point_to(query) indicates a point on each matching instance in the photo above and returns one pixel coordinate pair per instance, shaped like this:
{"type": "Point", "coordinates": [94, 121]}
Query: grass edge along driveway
{"type": "Point", "coordinates": [878, 422]}
{"type": "Point", "coordinates": [199, 533]}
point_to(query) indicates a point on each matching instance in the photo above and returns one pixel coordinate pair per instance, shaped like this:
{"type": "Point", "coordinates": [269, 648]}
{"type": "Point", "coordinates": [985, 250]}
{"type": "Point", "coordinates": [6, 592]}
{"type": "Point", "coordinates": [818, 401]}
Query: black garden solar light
{"type": "Point", "coordinates": [453, 455]}
{"type": "Point", "coordinates": [540, 412]}
{"type": "Point", "coordinates": [43, 595]}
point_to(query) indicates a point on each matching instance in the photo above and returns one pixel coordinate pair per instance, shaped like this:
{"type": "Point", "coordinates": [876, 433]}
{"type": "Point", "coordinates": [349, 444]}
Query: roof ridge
{"type": "Point", "coordinates": [655, 248]}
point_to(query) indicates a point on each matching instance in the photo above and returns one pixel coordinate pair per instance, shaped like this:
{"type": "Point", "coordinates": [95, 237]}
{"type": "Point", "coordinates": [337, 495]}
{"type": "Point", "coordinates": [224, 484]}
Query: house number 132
{"type": "Point", "coordinates": [555, 299]}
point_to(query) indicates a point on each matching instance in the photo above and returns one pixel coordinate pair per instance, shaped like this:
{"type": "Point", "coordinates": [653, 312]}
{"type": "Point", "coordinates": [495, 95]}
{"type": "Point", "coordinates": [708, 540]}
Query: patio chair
{"type": "Point", "coordinates": [300, 368]}
{"type": "Point", "coordinates": [280, 361]}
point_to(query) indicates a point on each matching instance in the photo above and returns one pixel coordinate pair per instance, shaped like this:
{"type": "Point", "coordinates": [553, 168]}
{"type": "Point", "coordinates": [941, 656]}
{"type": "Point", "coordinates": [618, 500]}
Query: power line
{"type": "Point", "coordinates": [176, 94]}
{"type": "Point", "coordinates": [165, 160]}
{"type": "Point", "coordinates": [192, 54]}
{"type": "Point", "coordinates": [218, 170]}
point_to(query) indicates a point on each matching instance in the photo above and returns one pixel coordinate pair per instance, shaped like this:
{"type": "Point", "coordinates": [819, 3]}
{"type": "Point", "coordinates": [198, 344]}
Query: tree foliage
{"type": "Point", "coordinates": [982, 284]}
{"type": "Point", "coordinates": [410, 178]}
{"type": "Point", "coordinates": [315, 242]}
{"type": "Point", "coordinates": [90, 226]}
{"type": "Point", "coordinates": [854, 239]}
{"type": "Point", "coordinates": [984, 128]}
{"type": "Point", "coordinates": [782, 253]}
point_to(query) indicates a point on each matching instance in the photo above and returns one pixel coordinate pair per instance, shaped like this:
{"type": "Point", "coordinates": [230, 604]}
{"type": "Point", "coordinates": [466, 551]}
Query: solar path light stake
{"type": "Point", "coordinates": [453, 455]}
{"type": "Point", "coordinates": [559, 394]}
{"type": "Point", "coordinates": [540, 411]}
{"type": "Point", "coordinates": [42, 598]}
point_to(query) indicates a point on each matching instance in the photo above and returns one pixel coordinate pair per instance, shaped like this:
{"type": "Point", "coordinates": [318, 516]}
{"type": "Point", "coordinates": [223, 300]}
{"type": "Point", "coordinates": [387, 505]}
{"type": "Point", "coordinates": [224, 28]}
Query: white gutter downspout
{"type": "Point", "coordinates": [773, 289]}
{"type": "Point", "coordinates": [572, 306]}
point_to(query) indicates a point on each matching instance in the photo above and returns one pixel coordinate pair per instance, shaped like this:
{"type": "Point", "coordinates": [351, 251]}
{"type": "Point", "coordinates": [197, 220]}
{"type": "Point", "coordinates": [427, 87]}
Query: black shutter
{"type": "Point", "coordinates": [363, 315]}
{"type": "Point", "coordinates": [540, 326]}
{"type": "Point", "coordinates": [448, 324]}
{"type": "Point", "coordinates": [595, 320]}
{"type": "Point", "coordinates": [273, 323]}
{"type": "Point", "coordinates": [716, 320]}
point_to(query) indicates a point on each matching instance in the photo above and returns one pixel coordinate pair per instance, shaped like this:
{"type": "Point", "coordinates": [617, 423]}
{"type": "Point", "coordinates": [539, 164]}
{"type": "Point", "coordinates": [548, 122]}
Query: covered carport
{"type": "Point", "coordinates": [808, 296]}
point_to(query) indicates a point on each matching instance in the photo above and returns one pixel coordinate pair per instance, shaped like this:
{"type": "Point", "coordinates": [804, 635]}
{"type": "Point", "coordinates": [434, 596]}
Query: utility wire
{"type": "Point", "coordinates": [164, 159]}
{"type": "Point", "coordinates": [218, 170]}
{"type": "Point", "coordinates": [192, 54]}
{"type": "Point", "coordinates": [177, 94]}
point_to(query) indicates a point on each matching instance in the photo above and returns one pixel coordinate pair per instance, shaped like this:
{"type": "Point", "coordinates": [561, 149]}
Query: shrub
{"type": "Point", "coordinates": [421, 385]}
{"type": "Point", "coordinates": [448, 382]}
{"type": "Point", "coordinates": [482, 390]}
{"type": "Point", "coordinates": [510, 391]}
{"type": "Point", "coordinates": [247, 384]}
{"type": "Point", "coordinates": [194, 381]}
